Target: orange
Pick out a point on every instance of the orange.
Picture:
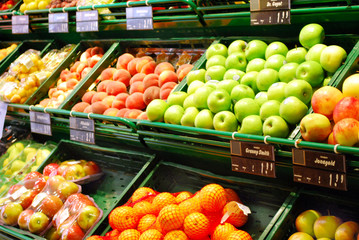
(239, 235)
(163, 199)
(95, 237)
(113, 234)
(170, 218)
(214, 219)
(237, 218)
(190, 205)
(222, 231)
(183, 196)
(213, 197)
(176, 235)
(151, 234)
(231, 195)
(146, 222)
(143, 208)
(196, 226)
(124, 217)
(129, 234)
(141, 192)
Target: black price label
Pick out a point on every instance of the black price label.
(320, 177)
(82, 136)
(259, 5)
(20, 24)
(253, 166)
(82, 124)
(270, 12)
(40, 123)
(59, 22)
(139, 18)
(87, 21)
(3, 111)
(82, 130)
(252, 150)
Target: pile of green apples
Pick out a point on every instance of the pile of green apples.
(254, 88)
(311, 225)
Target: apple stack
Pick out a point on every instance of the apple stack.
(126, 90)
(311, 224)
(70, 78)
(255, 87)
(336, 114)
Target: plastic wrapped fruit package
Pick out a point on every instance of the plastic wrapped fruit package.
(26, 63)
(19, 197)
(77, 217)
(6, 51)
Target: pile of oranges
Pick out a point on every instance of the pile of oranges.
(150, 215)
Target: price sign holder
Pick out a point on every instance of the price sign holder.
(87, 21)
(253, 158)
(319, 168)
(82, 130)
(59, 22)
(270, 12)
(40, 123)
(139, 18)
(3, 111)
(20, 24)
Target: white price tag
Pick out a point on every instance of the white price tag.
(37, 200)
(63, 216)
(18, 193)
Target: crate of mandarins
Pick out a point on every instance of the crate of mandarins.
(193, 204)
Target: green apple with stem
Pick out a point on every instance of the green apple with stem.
(246, 107)
(276, 48)
(269, 108)
(225, 121)
(305, 221)
(189, 116)
(252, 124)
(177, 98)
(310, 71)
(201, 95)
(216, 60)
(196, 75)
(194, 86)
(256, 64)
(300, 89)
(292, 110)
(216, 49)
(275, 62)
(174, 114)
(288, 72)
(311, 34)
(188, 102)
(227, 85)
(233, 74)
(236, 60)
(315, 127)
(332, 58)
(215, 73)
(237, 46)
(314, 52)
(275, 126)
(219, 100)
(266, 78)
(255, 49)
(296, 55)
(250, 79)
(241, 91)
(204, 119)
(156, 109)
(325, 226)
(277, 91)
(261, 98)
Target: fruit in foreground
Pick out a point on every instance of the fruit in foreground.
(305, 221)
(351, 86)
(325, 226)
(300, 236)
(315, 127)
(311, 34)
(347, 231)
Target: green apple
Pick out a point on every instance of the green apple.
(325, 226)
(237, 46)
(194, 86)
(246, 107)
(305, 221)
(219, 100)
(233, 74)
(256, 64)
(227, 85)
(315, 127)
(277, 91)
(17, 165)
(42, 154)
(292, 110)
(250, 79)
(296, 55)
(201, 95)
(275, 126)
(204, 119)
(188, 102)
(241, 91)
(332, 57)
(174, 114)
(300, 236)
(269, 108)
(347, 231)
(314, 52)
(300, 89)
(255, 49)
(216, 60)
(252, 124)
(196, 75)
(275, 62)
(216, 49)
(288, 72)
(177, 98)
(311, 34)
(212, 83)
(225, 121)
(311, 72)
(189, 116)
(261, 98)
(276, 48)
(266, 78)
(215, 73)
(156, 110)
(236, 60)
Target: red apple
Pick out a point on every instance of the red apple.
(315, 127)
(345, 132)
(27, 197)
(74, 171)
(14, 188)
(61, 169)
(88, 217)
(30, 178)
(325, 99)
(347, 231)
(40, 184)
(350, 86)
(347, 107)
(73, 232)
(38, 222)
(67, 188)
(24, 218)
(50, 168)
(10, 213)
(305, 221)
(53, 234)
(55, 181)
(325, 226)
(91, 168)
(50, 205)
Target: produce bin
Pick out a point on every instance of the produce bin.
(8, 44)
(340, 205)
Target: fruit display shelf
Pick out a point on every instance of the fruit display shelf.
(266, 202)
(124, 171)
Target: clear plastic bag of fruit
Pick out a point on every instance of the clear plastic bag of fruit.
(54, 57)
(6, 51)
(77, 217)
(19, 197)
(28, 62)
